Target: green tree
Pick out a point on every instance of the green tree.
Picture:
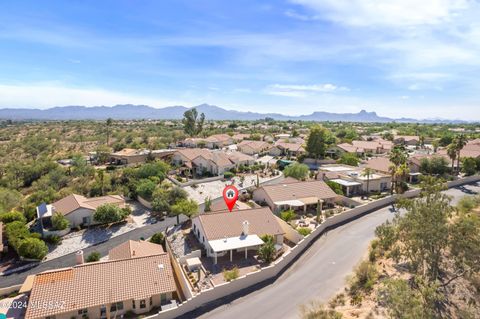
(460, 141)
(33, 248)
(110, 213)
(337, 188)
(266, 251)
(145, 188)
(288, 215)
(12, 216)
(349, 159)
(452, 153)
(59, 222)
(296, 170)
(317, 141)
(401, 301)
(9, 199)
(469, 166)
(16, 231)
(368, 173)
(192, 124)
(94, 256)
(188, 207)
(158, 238)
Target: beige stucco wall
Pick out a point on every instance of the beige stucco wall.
(76, 217)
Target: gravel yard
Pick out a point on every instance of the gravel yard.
(214, 189)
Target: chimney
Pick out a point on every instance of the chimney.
(245, 225)
(79, 257)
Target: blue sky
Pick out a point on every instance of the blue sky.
(398, 57)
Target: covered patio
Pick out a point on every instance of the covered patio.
(300, 204)
(349, 187)
(243, 243)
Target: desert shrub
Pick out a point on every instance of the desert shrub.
(230, 275)
(304, 231)
(53, 239)
(158, 238)
(287, 215)
(94, 256)
(110, 213)
(228, 175)
(32, 248)
(59, 222)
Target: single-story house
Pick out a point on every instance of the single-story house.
(353, 179)
(253, 147)
(223, 232)
(216, 163)
(77, 209)
(406, 140)
(219, 141)
(104, 289)
(295, 195)
(238, 159)
(286, 148)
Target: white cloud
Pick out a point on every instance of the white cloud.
(295, 90)
(386, 13)
(43, 95)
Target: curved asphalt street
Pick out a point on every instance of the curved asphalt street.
(318, 274)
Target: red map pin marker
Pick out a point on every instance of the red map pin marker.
(230, 195)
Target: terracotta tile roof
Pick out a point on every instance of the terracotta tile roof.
(407, 138)
(219, 225)
(72, 202)
(219, 158)
(257, 146)
(219, 138)
(381, 164)
(236, 157)
(191, 153)
(295, 147)
(290, 191)
(349, 148)
(99, 283)
(134, 249)
(367, 145)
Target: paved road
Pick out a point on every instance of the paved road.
(102, 248)
(318, 274)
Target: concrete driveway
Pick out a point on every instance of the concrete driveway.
(317, 275)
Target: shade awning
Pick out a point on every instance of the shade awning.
(293, 202)
(194, 262)
(231, 243)
(345, 182)
(310, 200)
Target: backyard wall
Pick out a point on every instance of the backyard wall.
(184, 284)
(144, 202)
(285, 260)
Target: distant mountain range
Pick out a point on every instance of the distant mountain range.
(212, 112)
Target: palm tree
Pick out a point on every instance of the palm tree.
(460, 141)
(399, 175)
(367, 172)
(108, 123)
(452, 153)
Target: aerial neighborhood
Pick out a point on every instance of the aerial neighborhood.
(139, 223)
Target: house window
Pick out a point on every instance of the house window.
(133, 304)
(116, 306)
(163, 298)
(50, 317)
(151, 300)
(103, 311)
(82, 312)
(143, 304)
